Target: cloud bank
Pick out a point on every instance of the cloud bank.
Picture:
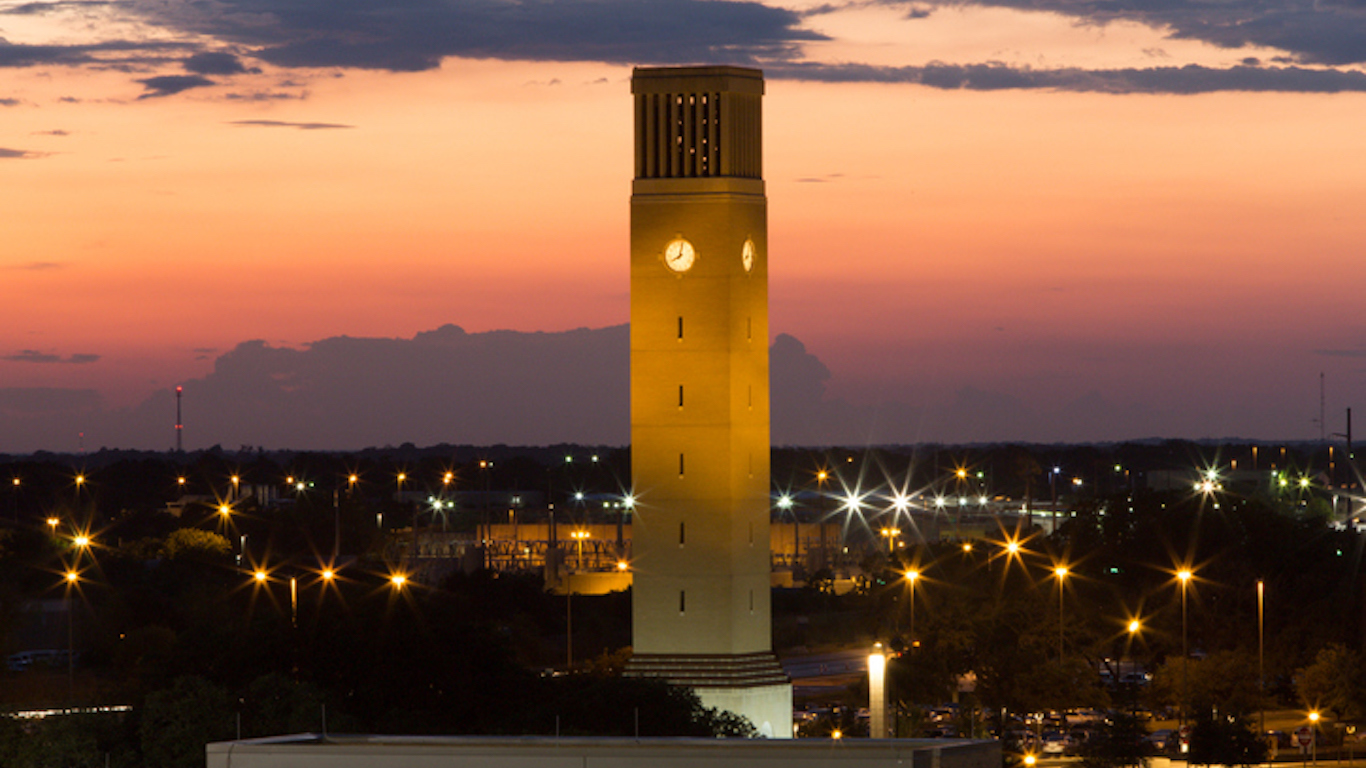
(449, 386)
(1324, 43)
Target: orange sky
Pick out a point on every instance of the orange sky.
(1038, 243)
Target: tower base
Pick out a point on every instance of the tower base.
(752, 685)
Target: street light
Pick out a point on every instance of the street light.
(1261, 656)
(785, 504)
(911, 577)
(578, 537)
(1314, 736)
(73, 579)
(1060, 572)
(891, 534)
(1184, 576)
(877, 693)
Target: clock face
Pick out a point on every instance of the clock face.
(747, 255)
(679, 255)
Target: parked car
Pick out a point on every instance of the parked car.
(1053, 743)
(1162, 739)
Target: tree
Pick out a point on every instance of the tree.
(1225, 741)
(178, 721)
(1118, 743)
(1335, 682)
(1219, 682)
(196, 544)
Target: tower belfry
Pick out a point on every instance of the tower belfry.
(699, 392)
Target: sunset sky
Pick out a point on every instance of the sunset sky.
(1151, 212)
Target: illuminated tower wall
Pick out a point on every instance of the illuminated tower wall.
(699, 392)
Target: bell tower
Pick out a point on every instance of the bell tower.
(699, 392)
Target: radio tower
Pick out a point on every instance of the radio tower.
(179, 427)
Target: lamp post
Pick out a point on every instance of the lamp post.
(877, 693)
(73, 578)
(911, 577)
(412, 550)
(1314, 737)
(891, 534)
(569, 619)
(1261, 651)
(1184, 576)
(578, 537)
(1060, 572)
(785, 504)
(821, 477)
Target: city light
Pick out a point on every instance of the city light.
(901, 502)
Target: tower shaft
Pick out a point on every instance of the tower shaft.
(699, 391)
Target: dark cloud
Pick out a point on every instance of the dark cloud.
(34, 356)
(37, 266)
(411, 35)
(443, 385)
(30, 9)
(129, 52)
(19, 154)
(1328, 32)
(993, 76)
(9, 102)
(286, 124)
(216, 63)
(30, 402)
(1358, 352)
(34, 55)
(264, 96)
(166, 85)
